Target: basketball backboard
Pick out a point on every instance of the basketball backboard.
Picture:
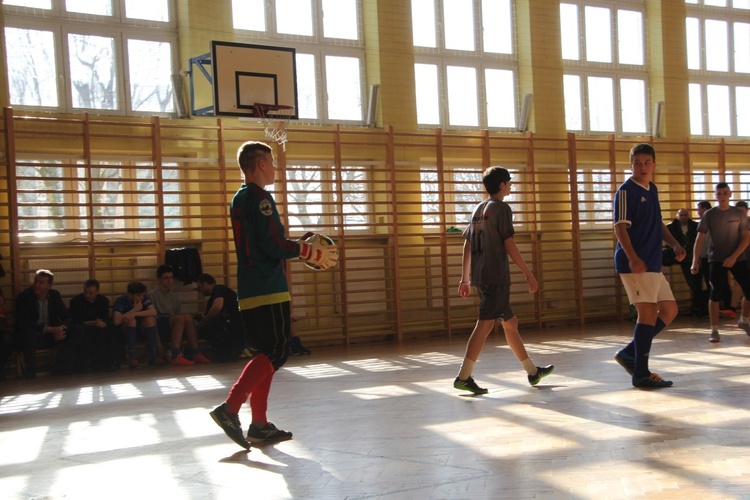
(245, 74)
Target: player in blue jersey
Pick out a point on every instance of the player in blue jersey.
(640, 231)
(263, 292)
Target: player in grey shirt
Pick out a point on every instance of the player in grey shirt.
(730, 235)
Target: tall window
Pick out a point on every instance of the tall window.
(718, 57)
(61, 61)
(327, 36)
(605, 79)
(64, 199)
(466, 66)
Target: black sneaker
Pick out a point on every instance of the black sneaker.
(625, 360)
(541, 372)
(268, 433)
(469, 385)
(653, 380)
(230, 424)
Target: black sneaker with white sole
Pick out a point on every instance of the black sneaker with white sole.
(266, 434)
(469, 385)
(230, 424)
(541, 371)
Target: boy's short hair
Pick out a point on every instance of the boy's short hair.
(493, 177)
(642, 149)
(47, 273)
(704, 204)
(164, 268)
(91, 282)
(250, 152)
(206, 278)
(741, 204)
(135, 287)
(721, 185)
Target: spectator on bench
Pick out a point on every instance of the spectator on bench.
(89, 312)
(221, 324)
(6, 341)
(42, 321)
(171, 319)
(134, 311)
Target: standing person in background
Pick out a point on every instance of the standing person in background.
(730, 236)
(263, 292)
(638, 255)
(685, 230)
(488, 244)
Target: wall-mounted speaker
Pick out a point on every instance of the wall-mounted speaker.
(372, 105)
(655, 126)
(523, 122)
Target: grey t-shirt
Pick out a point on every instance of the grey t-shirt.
(166, 303)
(725, 228)
(491, 224)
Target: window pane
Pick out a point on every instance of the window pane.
(467, 184)
(97, 7)
(501, 102)
(354, 197)
(573, 112)
(630, 37)
(294, 17)
(92, 71)
(601, 104)
(598, 34)
(36, 4)
(150, 76)
(306, 86)
(633, 105)
(462, 96)
(743, 111)
(717, 103)
(715, 3)
(428, 101)
(430, 197)
(107, 196)
(696, 109)
(40, 198)
(344, 88)
(305, 199)
(497, 27)
(459, 24)
(32, 72)
(150, 10)
(692, 27)
(569, 31)
(340, 19)
(742, 47)
(741, 4)
(249, 15)
(717, 50)
(423, 22)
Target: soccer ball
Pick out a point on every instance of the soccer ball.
(325, 241)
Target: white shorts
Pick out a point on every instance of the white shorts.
(648, 288)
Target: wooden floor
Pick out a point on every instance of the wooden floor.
(383, 421)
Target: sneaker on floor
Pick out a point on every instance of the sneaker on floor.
(714, 337)
(200, 358)
(469, 385)
(744, 326)
(541, 372)
(157, 361)
(246, 353)
(625, 360)
(265, 434)
(653, 380)
(180, 360)
(230, 424)
(728, 313)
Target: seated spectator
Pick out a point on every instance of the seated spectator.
(6, 341)
(133, 312)
(42, 321)
(295, 343)
(171, 319)
(221, 324)
(89, 312)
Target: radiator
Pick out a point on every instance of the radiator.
(70, 273)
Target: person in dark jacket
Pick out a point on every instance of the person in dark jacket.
(89, 312)
(685, 230)
(42, 321)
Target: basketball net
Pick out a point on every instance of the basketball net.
(275, 119)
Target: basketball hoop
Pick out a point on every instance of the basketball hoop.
(274, 118)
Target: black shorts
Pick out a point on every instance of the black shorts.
(719, 278)
(494, 302)
(267, 329)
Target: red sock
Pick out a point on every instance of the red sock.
(259, 401)
(256, 371)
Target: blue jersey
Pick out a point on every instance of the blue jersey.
(639, 209)
(262, 248)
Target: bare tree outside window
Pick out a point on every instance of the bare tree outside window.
(92, 68)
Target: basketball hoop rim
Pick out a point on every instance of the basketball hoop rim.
(260, 110)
